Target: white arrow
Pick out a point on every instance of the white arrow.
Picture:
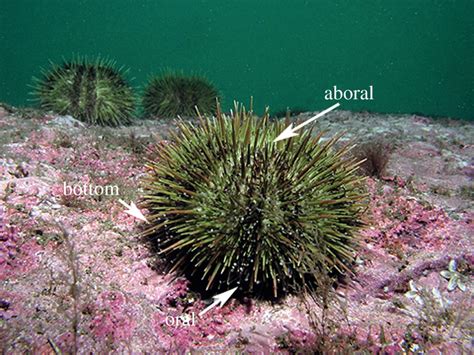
(221, 298)
(291, 132)
(134, 211)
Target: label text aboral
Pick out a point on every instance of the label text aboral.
(349, 94)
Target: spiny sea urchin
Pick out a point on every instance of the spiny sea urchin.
(91, 91)
(173, 94)
(229, 207)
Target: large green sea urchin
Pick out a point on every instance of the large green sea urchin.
(175, 94)
(229, 207)
(91, 91)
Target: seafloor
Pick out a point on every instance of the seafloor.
(76, 276)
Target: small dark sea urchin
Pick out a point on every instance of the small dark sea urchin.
(229, 207)
(91, 91)
(173, 94)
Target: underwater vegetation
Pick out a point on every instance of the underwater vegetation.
(229, 207)
(93, 91)
(288, 112)
(375, 155)
(173, 94)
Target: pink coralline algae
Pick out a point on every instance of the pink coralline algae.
(16, 255)
(111, 319)
(400, 223)
(183, 329)
(8, 247)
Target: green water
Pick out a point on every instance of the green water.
(418, 54)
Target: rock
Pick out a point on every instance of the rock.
(67, 121)
(469, 171)
(4, 305)
(3, 112)
(27, 186)
(35, 212)
(49, 173)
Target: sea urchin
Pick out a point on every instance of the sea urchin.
(91, 91)
(229, 207)
(173, 94)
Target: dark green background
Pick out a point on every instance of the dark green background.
(418, 54)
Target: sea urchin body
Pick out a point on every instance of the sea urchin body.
(173, 94)
(94, 92)
(229, 207)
